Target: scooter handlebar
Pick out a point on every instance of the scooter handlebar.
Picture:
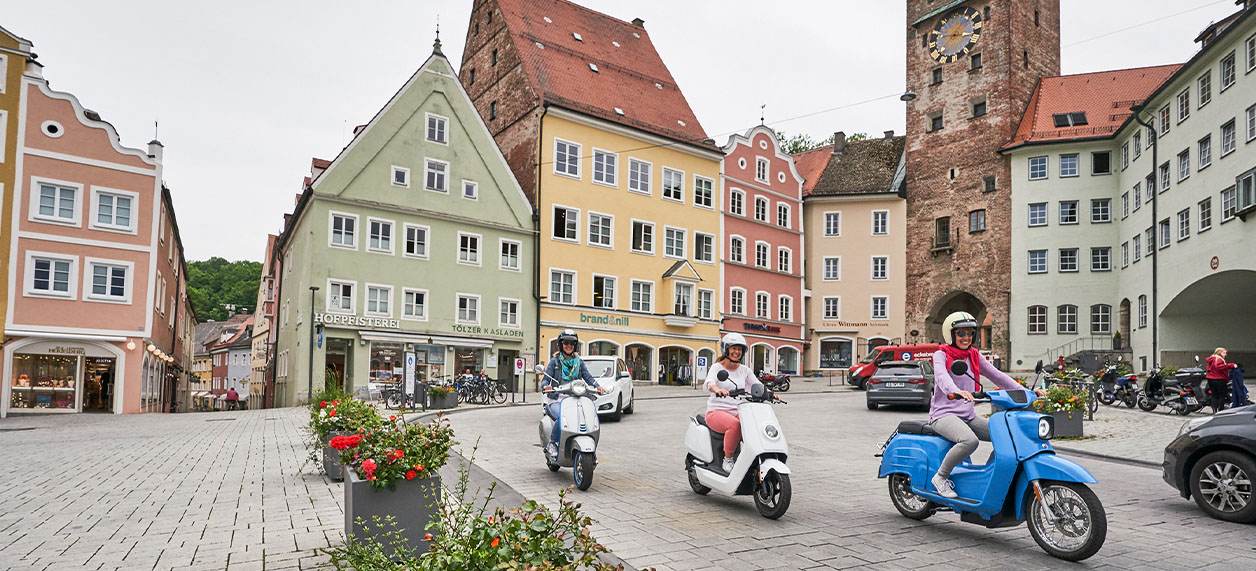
(977, 397)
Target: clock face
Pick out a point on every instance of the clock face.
(955, 35)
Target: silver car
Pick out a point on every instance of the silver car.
(901, 383)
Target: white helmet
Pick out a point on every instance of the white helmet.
(732, 339)
(957, 320)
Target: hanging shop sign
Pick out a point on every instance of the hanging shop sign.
(761, 327)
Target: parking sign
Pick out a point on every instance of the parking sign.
(520, 365)
(410, 371)
(702, 365)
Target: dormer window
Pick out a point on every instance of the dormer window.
(577, 36)
(1073, 119)
(593, 66)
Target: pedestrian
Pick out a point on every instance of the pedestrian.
(233, 399)
(1238, 388)
(1217, 372)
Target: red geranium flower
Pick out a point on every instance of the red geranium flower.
(398, 454)
(392, 418)
(496, 541)
(411, 474)
(369, 466)
(322, 404)
(427, 537)
(332, 413)
(418, 467)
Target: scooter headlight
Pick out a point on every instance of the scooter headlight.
(771, 431)
(1046, 428)
(579, 388)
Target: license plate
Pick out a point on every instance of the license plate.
(1191, 401)
(895, 385)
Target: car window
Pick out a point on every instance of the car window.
(898, 370)
(600, 369)
(873, 355)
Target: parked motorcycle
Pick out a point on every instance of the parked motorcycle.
(1182, 394)
(1154, 390)
(577, 441)
(774, 383)
(1117, 388)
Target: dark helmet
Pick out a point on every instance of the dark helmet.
(568, 336)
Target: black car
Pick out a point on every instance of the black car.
(1213, 459)
(901, 382)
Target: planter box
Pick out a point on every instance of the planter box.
(411, 503)
(1068, 423)
(443, 401)
(331, 457)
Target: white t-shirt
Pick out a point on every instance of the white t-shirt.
(740, 378)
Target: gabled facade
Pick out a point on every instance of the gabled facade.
(418, 240)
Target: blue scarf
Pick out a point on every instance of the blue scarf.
(569, 367)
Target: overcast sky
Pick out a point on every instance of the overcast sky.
(247, 91)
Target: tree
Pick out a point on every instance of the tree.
(803, 142)
(215, 283)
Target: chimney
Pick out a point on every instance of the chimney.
(839, 142)
(889, 134)
(155, 149)
(638, 22)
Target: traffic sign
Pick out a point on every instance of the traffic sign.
(520, 365)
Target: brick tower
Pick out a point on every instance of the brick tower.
(973, 66)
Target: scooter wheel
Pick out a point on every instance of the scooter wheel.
(1069, 522)
(552, 467)
(772, 495)
(1146, 405)
(582, 470)
(783, 387)
(1107, 398)
(907, 502)
(697, 486)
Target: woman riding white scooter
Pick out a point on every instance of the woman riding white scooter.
(957, 420)
(721, 414)
(564, 367)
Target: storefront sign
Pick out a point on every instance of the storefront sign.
(356, 321)
(604, 319)
(854, 324)
(761, 327)
(62, 350)
(488, 331)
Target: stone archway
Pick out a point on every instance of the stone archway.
(1217, 310)
(959, 301)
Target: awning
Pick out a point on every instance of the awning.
(424, 339)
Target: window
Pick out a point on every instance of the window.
(1125, 254)
(1249, 47)
(508, 312)
(414, 304)
(605, 167)
(703, 247)
(1151, 137)
(832, 223)
(990, 183)
(1184, 224)
(761, 167)
(1037, 320)
(642, 296)
(509, 259)
(737, 301)
(639, 176)
(1205, 88)
(600, 229)
(51, 276)
(1165, 233)
(340, 297)
(674, 242)
(470, 190)
(1066, 319)
(782, 215)
(785, 308)
(1068, 259)
(1184, 105)
(1164, 179)
(1125, 205)
(880, 307)
(56, 203)
(942, 232)
(1137, 144)
(436, 175)
(673, 184)
(832, 268)
(1246, 191)
(974, 62)
(976, 221)
(880, 222)
(1125, 155)
(1151, 189)
(1101, 259)
(1037, 168)
(1164, 121)
(1227, 71)
(109, 281)
(492, 110)
(378, 300)
(1142, 311)
(1184, 165)
(737, 202)
(1205, 214)
(979, 108)
(1068, 212)
(703, 195)
(401, 177)
(1205, 152)
(1229, 204)
(468, 309)
(683, 299)
(469, 249)
(416, 241)
(1251, 123)
(566, 158)
(379, 236)
(1068, 165)
(832, 308)
(1227, 138)
(935, 76)
(761, 209)
(566, 223)
(761, 254)
(1150, 238)
(1037, 261)
(1038, 214)
(1101, 163)
(935, 122)
(113, 210)
(436, 129)
(1138, 247)
(1100, 210)
(706, 303)
(642, 237)
(737, 249)
(784, 260)
(343, 230)
(604, 292)
(761, 305)
(880, 267)
(562, 287)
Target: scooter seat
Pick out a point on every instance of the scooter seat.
(701, 420)
(915, 427)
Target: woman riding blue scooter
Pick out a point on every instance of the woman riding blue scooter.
(564, 367)
(957, 420)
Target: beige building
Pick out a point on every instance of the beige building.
(854, 219)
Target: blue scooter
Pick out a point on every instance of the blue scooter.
(1024, 479)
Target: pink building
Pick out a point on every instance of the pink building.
(763, 269)
(97, 269)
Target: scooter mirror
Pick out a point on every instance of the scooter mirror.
(539, 369)
(756, 390)
(1038, 367)
(722, 376)
(959, 368)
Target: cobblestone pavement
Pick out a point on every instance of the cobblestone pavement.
(1131, 434)
(840, 516)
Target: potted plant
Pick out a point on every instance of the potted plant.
(331, 417)
(391, 473)
(1065, 404)
(442, 397)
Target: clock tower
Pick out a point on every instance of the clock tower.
(972, 66)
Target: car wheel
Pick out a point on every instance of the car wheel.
(1221, 483)
(632, 402)
(872, 405)
(618, 415)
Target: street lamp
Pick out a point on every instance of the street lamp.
(309, 385)
(907, 96)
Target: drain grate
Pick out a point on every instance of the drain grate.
(17, 429)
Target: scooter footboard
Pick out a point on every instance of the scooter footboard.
(911, 454)
(1046, 466)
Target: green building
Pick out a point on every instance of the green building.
(419, 239)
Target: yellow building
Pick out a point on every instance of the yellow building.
(14, 53)
(625, 182)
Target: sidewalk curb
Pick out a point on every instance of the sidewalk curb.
(1110, 458)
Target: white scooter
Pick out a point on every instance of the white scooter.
(760, 468)
(577, 441)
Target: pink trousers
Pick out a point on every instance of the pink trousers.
(730, 425)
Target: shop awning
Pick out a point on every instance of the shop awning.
(428, 339)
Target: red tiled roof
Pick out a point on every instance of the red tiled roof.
(630, 76)
(811, 165)
(1105, 97)
(317, 163)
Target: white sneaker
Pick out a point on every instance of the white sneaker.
(551, 449)
(728, 465)
(943, 486)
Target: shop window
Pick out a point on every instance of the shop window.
(44, 382)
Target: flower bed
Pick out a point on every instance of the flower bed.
(1065, 404)
(334, 414)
